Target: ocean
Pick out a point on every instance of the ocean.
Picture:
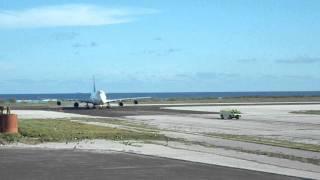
(160, 95)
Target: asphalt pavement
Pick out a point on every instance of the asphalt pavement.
(74, 165)
(128, 111)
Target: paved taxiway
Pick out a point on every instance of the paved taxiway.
(67, 164)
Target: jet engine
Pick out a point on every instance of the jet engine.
(76, 105)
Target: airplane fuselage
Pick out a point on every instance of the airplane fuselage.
(99, 98)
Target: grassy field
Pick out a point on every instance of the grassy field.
(312, 112)
(37, 131)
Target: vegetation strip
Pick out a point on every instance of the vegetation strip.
(258, 152)
(312, 112)
(268, 141)
(136, 125)
(53, 130)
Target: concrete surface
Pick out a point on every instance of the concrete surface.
(271, 121)
(41, 114)
(73, 165)
(189, 152)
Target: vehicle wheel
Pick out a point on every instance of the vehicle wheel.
(229, 117)
(221, 116)
(76, 105)
(237, 117)
(135, 102)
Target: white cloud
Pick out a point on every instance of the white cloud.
(69, 15)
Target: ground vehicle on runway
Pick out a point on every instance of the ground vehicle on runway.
(230, 114)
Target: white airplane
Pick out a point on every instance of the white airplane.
(99, 99)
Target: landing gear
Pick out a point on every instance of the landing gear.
(76, 105)
(120, 104)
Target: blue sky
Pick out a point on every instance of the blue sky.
(156, 46)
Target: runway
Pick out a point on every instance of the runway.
(130, 111)
(73, 165)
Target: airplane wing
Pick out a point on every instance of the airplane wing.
(78, 100)
(59, 101)
(126, 99)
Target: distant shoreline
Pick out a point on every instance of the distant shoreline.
(169, 95)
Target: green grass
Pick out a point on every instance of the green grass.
(36, 131)
(312, 112)
(129, 124)
(268, 141)
(5, 138)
